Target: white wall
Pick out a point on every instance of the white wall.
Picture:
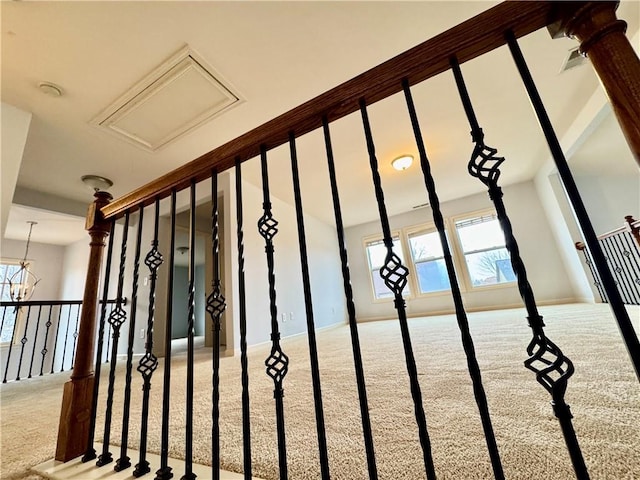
(538, 249)
(608, 198)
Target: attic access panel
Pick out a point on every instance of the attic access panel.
(176, 98)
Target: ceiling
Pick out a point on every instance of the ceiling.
(275, 55)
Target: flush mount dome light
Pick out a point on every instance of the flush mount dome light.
(50, 89)
(403, 162)
(97, 183)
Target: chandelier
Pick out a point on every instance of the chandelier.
(23, 282)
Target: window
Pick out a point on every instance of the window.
(9, 314)
(482, 244)
(428, 260)
(376, 254)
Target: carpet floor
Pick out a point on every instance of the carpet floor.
(604, 395)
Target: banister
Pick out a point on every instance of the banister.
(466, 41)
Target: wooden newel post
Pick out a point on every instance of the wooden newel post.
(76, 401)
(602, 39)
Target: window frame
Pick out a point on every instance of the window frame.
(460, 254)
(425, 228)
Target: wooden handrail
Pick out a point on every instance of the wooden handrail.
(631, 225)
(466, 41)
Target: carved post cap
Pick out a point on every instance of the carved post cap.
(95, 220)
(587, 22)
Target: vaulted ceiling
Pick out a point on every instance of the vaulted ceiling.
(275, 55)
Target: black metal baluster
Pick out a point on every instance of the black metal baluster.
(66, 337)
(75, 337)
(4, 313)
(188, 461)
(55, 344)
(632, 263)
(23, 340)
(148, 363)
(46, 338)
(546, 360)
(215, 307)
(116, 319)
(395, 277)
(124, 461)
(109, 335)
(461, 315)
(246, 418)
(90, 453)
(594, 273)
(311, 328)
(164, 473)
(13, 336)
(591, 239)
(351, 309)
(277, 362)
(616, 270)
(35, 341)
(622, 272)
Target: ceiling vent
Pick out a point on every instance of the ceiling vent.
(174, 99)
(574, 59)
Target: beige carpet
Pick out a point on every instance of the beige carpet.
(604, 396)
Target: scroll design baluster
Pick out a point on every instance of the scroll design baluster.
(616, 304)
(116, 319)
(44, 350)
(215, 306)
(395, 276)
(246, 418)
(552, 368)
(149, 362)
(277, 362)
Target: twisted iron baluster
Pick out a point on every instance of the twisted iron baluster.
(546, 360)
(277, 362)
(164, 473)
(351, 308)
(35, 341)
(23, 341)
(13, 336)
(46, 337)
(66, 337)
(311, 329)
(461, 316)
(395, 275)
(75, 337)
(148, 363)
(55, 343)
(116, 319)
(246, 419)
(591, 239)
(124, 461)
(215, 307)
(188, 461)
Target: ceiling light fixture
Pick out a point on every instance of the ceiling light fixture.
(182, 250)
(50, 89)
(97, 183)
(403, 162)
(23, 282)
